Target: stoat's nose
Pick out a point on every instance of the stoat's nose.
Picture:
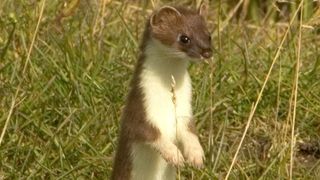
(206, 53)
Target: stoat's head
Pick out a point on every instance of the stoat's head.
(182, 31)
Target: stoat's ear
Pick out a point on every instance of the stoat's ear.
(203, 9)
(166, 14)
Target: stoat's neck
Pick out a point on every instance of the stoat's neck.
(164, 63)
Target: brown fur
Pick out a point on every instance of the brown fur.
(164, 27)
(167, 24)
(134, 127)
(192, 127)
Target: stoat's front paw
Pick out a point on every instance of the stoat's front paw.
(193, 153)
(173, 156)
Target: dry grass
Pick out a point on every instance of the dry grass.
(65, 69)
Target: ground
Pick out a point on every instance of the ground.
(65, 70)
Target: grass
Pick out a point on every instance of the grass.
(63, 83)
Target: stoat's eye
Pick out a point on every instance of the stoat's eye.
(184, 39)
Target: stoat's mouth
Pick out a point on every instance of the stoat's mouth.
(198, 57)
(194, 56)
(202, 58)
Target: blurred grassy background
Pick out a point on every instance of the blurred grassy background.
(65, 68)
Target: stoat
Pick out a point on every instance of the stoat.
(157, 131)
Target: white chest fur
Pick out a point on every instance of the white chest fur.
(156, 83)
(161, 112)
(161, 64)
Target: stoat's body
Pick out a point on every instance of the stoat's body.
(157, 131)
